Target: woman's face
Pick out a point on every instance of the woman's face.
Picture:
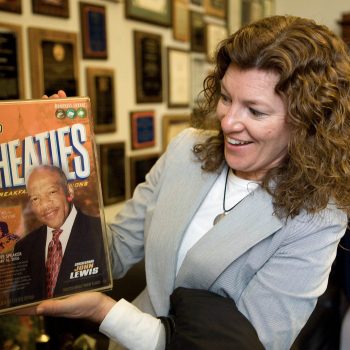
(253, 120)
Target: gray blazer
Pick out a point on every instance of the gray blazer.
(274, 270)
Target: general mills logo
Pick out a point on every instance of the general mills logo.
(1, 128)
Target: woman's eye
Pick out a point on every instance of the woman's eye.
(224, 98)
(256, 113)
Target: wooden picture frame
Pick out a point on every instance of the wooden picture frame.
(253, 10)
(179, 77)
(93, 30)
(197, 31)
(51, 8)
(148, 65)
(142, 129)
(11, 6)
(216, 8)
(154, 12)
(139, 166)
(181, 22)
(112, 163)
(214, 33)
(11, 72)
(172, 124)
(101, 90)
(53, 62)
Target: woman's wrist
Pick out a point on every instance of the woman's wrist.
(102, 309)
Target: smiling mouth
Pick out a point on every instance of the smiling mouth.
(50, 213)
(237, 142)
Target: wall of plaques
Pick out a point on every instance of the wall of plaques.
(142, 63)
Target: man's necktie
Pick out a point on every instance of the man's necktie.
(53, 263)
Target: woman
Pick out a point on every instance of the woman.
(252, 211)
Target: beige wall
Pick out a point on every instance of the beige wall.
(327, 12)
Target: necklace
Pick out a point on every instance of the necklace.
(225, 211)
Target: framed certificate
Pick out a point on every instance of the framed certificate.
(11, 58)
(214, 34)
(148, 65)
(253, 10)
(142, 129)
(101, 90)
(55, 8)
(199, 73)
(217, 8)
(53, 62)
(172, 125)
(93, 29)
(179, 78)
(112, 160)
(181, 28)
(155, 12)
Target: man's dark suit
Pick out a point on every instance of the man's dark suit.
(85, 244)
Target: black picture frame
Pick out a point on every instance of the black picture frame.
(197, 31)
(11, 6)
(11, 70)
(101, 90)
(93, 29)
(140, 165)
(112, 164)
(148, 65)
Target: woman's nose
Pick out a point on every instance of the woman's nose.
(232, 120)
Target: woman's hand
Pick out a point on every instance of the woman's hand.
(93, 306)
(60, 94)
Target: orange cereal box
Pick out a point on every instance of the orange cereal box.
(52, 230)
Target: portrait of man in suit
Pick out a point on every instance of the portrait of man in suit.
(66, 253)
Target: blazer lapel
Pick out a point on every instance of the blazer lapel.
(248, 223)
(182, 198)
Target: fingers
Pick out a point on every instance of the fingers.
(60, 94)
(31, 310)
(58, 308)
(89, 305)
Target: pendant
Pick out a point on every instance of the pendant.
(218, 218)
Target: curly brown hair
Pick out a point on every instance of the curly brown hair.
(314, 69)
